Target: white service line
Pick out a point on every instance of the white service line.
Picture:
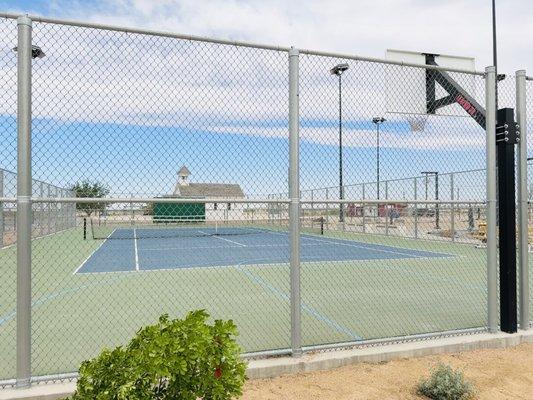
(90, 255)
(343, 242)
(136, 249)
(226, 240)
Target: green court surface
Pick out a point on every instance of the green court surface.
(75, 315)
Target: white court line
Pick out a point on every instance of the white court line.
(252, 246)
(226, 240)
(344, 242)
(136, 249)
(90, 255)
(273, 264)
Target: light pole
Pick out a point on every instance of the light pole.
(378, 121)
(338, 70)
(437, 213)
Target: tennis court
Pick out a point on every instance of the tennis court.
(355, 286)
(154, 248)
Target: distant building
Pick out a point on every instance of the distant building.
(210, 191)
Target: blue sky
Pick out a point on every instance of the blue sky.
(105, 117)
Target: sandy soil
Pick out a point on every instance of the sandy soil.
(496, 374)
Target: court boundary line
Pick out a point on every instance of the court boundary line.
(346, 242)
(76, 271)
(331, 241)
(137, 267)
(306, 308)
(229, 247)
(274, 264)
(226, 240)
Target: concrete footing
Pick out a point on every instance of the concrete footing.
(272, 367)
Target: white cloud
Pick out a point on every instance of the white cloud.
(360, 27)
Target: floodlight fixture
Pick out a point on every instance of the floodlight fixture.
(36, 51)
(339, 69)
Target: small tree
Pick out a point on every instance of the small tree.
(92, 190)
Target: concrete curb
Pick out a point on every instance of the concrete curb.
(268, 368)
(272, 367)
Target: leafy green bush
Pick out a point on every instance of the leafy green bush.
(446, 384)
(173, 359)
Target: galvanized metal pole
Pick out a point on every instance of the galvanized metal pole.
(294, 210)
(341, 187)
(1, 209)
(416, 209)
(452, 211)
(41, 211)
(386, 208)
(327, 209)
(523, 279)
(492, 267)
(363, 210)
(49, 212)
(24, 188)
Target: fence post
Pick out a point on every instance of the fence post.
(48, 210)
(492, 268)
(42, 206)
(1, 209)
(521, 118)
(416, 209)
(294, 209)
(386, 208)
(327, 209)
(24, 188)
(363, 209)
(132, 213)
(452, 211)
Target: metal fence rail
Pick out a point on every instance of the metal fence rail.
(46, 218)
(214, 174)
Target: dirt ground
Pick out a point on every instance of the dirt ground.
(496, 374)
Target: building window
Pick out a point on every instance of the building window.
(215, 206)
(229, 206)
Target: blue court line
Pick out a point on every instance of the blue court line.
(437, 278)
(45, 299)
(309, 310)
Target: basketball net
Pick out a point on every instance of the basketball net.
(417, 123)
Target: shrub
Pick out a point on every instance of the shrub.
(446, 384)
(173, 359)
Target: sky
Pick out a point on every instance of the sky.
(357, 27)
(131, 122)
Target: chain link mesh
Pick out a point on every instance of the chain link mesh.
(400, 287)
(529, 133)
(178, 154)
(8, 155)
(141, 116)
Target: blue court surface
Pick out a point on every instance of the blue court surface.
(127, 250)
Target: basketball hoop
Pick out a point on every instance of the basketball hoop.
(417, 123)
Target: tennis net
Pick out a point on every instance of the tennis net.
(124, 230)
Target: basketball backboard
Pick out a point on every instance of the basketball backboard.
(406, 87)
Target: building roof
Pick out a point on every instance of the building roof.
(184, 171)
(209, 190)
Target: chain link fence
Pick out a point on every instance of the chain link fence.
(47, 218)
(315, 209)
(529, 114)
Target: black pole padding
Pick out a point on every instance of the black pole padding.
(84, 228)
(506, 139)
